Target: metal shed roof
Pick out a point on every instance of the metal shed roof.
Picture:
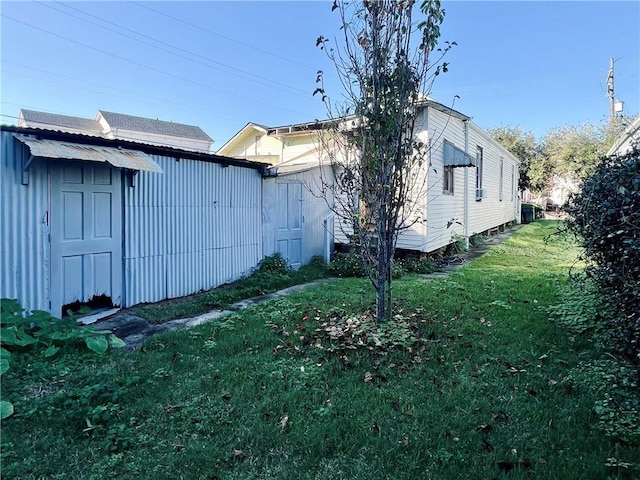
(117, 157)
(146, 148)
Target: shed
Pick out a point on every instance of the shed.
(90, 219)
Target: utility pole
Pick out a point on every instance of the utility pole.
(610, 91)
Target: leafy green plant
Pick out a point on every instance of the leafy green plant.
(349, 264)
(41, 332)
(274, 263)
(422, 265)
(456, 247)
(477, 239)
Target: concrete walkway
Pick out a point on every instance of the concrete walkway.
(134, 330)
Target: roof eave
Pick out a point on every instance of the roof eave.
(144, 147)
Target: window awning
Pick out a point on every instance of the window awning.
(116, 157)
(455, 157)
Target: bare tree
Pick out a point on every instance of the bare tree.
(379, 182)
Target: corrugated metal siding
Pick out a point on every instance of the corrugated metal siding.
(193, 228)
(23, 228)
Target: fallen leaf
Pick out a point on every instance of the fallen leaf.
(368, 377)
(284, 422)
(484, 427)
(238, 455)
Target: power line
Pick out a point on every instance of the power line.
(242, 73)
(211, 32)
(149, 67)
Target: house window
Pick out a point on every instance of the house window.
(513, 182)
(257, 145)
(501, 187)
(479, 169)
(448, 180)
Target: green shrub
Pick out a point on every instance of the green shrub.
(274, 263)
(477, 239)
(350, 264)
(347, 264)
(457, 246)
(605, 216)
(418, 265)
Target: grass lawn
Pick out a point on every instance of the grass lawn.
(468, 382)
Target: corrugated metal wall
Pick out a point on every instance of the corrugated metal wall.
(24, 228)
(192, 228)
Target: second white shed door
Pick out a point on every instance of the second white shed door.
(86, 235)
(289, 222)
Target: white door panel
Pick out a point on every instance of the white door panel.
(289, 222)
(86, 234)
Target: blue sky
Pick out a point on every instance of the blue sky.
(219, 65)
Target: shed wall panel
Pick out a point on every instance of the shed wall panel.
(192, 228)
(24, 229)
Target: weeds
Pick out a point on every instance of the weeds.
(272, 274)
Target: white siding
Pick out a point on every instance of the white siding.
(490, 212)
(192, 228)
(253, 143)
(302, 148)
(445, 212)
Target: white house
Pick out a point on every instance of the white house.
(111, 222)
(470, 180)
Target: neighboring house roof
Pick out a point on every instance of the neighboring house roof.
(248, 127)
(111, 125)
(318, 124)
(33, 118)
(81, 139)
(149, 125)
(628, 139)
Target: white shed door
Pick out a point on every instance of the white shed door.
(289, 222)
(86, 235)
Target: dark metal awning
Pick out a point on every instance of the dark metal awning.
(456, 157)
(114, 156)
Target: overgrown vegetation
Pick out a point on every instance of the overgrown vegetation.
(611, 379)
(467, 380)
(41, 335)
(606, 218)
(272, 274)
